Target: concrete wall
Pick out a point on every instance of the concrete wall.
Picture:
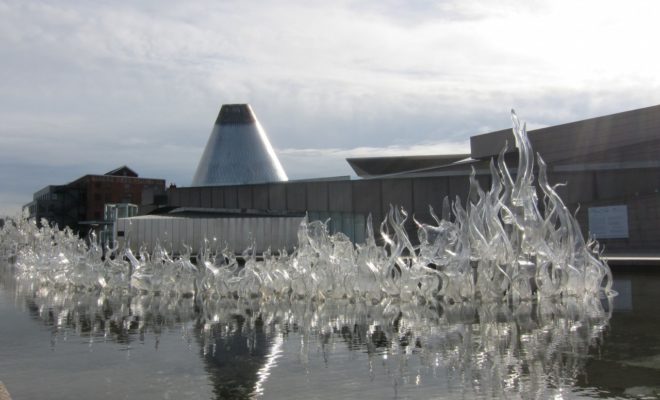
(638, 189)
(349, 202)
(429, 192)
(296, 197)
(317, 196)
(244, 195)
(276, 196)
(643, 223)
(574, 140)
(231, 197)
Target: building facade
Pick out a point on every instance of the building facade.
(610, 165)
(80, 203)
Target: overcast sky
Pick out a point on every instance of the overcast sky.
(87, 86)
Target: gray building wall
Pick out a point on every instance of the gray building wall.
(574, 140)
(605, 161)
(349, 202)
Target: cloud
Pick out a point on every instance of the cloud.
(88, 86)
(328, 162)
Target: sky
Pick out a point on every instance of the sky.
(87, 86)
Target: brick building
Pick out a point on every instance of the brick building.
(80, 204)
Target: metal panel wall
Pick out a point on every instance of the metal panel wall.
(277, 196)
(260, 197)
(244, 196)
(238, 233)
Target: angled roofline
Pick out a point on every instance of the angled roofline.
(433, 162)
(557, 143)
(120, 168)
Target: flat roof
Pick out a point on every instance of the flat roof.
(376, 166)
(586, 142)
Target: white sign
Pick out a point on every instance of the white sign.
(609, 222)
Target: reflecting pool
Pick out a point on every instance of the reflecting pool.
(503, 297)
(61, 344)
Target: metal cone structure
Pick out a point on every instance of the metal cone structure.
(238, 151)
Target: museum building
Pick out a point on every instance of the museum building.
(610, 166)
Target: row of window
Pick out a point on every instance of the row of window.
(47, 196)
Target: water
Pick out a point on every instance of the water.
(63, 345)
(501, 298)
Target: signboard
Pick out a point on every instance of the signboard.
(609, 222)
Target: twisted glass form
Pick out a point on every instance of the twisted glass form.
(498, 247)
(532, 349)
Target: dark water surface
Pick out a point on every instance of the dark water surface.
(58, 344)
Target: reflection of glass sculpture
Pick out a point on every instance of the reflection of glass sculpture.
(491, 350)
(500, 246)
(502, 297)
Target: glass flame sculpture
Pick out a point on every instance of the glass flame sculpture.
(499, 246)
(501, 298)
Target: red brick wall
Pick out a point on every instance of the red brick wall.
(113, 189)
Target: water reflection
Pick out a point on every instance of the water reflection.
(534, 350)
(234, 353)
(628, 362)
